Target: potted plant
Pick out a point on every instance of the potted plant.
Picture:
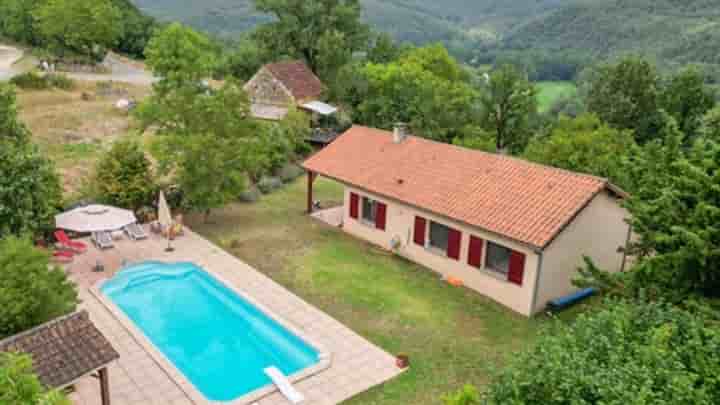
(402, 360)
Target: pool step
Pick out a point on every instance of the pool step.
(283, 384)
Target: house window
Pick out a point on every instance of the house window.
(369, 210)
(498, 258)
(439, 236)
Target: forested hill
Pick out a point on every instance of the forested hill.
(674, 32)
(417, 21)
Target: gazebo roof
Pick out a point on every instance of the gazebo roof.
(63, 350)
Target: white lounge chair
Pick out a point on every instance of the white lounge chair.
(103, 240)
(135, 232)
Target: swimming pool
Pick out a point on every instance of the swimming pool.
(218, 340)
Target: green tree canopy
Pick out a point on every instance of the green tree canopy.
(624, 353)
(314, 30)
(124, 176)
(18, 384)
(509, 102)
(88, 27)
(584, 144)
(686, 98)
(424, 88)
(10, 125)
(710, 125)
(31, 291)
(625, 95)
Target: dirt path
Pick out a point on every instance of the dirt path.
(8, 56)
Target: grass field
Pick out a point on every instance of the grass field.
(452, 335)
(550, 92)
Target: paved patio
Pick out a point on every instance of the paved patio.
(138, 378)
(331, 216)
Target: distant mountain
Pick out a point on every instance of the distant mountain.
(673, 32)
(417, 21)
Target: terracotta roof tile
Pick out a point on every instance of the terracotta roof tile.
(523, 201)
(298, 78)
(63, 350)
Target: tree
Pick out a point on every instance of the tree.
(710, 125)
(686, 98)
(584, 144)
(18, 384)
(625, 95)
(304, 28)
(10, 125)
(425, 88)
(509, 101)
(16, 20)
(31, 291)
(123, 176)
(624, 353)
(180, 56)
(88, 27)
(30, 191)
(244, 60)
(383, 48)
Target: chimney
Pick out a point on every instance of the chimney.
(400, 132)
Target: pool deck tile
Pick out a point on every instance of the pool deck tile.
(137, 378)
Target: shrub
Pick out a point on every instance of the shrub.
(123, 176)
(625, 353)
(31, 291)
(290, 172)
(251, 195)
(269, 184)
(30, 81)
(468, 395)
(18, 384)
(60, 81)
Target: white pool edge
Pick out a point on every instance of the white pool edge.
(190, 390)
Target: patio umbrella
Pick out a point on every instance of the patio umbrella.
(165, 218)
(94, 218)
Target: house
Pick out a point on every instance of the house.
(509, 229)
(277, 87)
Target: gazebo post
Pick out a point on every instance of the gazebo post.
(104, 386)
(311, 179)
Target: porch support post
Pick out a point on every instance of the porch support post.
(311, 176)
(104, 386)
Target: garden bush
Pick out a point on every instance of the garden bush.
(60, 81)
(269, 184)
(289, 172)
(31, 291)
(624, 353)
(19, 385)
(123, 176)
(30, 81)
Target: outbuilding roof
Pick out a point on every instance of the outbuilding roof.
(297, 77)
(63, 350)
(514, 198)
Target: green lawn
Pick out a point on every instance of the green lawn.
(452, 335)
(551, 92)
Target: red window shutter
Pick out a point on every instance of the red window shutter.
(354, 205)
(420, 226)
(380, 216)
(475, 252)
(454, 238)
(517, 268)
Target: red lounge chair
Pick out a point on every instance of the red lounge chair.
(65, 241)
(62, 257)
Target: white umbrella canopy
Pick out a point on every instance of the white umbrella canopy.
(94, 218)
(164, 216)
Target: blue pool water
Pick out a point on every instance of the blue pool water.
(218, 340)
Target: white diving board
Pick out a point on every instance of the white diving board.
(283, 384)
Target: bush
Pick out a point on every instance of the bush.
(60, 81)
(31, 291)
(251, 195)
(625, 353)
(469, 395)
(30, 81)
(269, 184)
(289, 172)
(123, 176)
(18, 384)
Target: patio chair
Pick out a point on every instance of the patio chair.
(69, 244)
(135, 232)
(103, 240)
(62, 257)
